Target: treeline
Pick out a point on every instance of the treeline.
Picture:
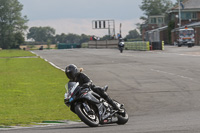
(47, 35)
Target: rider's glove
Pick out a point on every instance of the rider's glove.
(85, 86)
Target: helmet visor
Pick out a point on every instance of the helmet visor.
(70, 75)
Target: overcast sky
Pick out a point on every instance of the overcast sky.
(75, 16)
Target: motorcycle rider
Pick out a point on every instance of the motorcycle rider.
(121, 42)
(74, 75)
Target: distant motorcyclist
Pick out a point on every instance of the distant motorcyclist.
(121, 44)
(76, 75)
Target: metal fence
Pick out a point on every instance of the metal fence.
(103, 44)
(67, 46)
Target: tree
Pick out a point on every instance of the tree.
(106, 37)
(41, 34)
(72, 38)
(171, 26)
(12, 24)
(155, 7)
(84, 38)
(61, 38)
(19, 39)
(133, 34)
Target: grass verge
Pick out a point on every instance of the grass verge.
(31, 90)
(14, 53)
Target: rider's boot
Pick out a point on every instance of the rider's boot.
(115, 107)
(103, 94)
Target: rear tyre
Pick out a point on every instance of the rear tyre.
(90, 120)
(122, 118)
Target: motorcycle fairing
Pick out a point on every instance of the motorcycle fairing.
(89, 96)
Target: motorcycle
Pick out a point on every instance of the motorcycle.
(121, 45)
(91, 108)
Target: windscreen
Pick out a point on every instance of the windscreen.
(186, 33)
(70, 85)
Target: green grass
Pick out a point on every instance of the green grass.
(31, 90)
(15, 53)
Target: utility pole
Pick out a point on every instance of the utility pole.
(120, 28)
(179, 13)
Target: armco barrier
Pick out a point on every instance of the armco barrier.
(103, 44)
(138, 45)
(163, 45)
(67, 46)
(84, 45)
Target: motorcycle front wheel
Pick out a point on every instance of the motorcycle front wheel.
(121, 50)
(91, 120)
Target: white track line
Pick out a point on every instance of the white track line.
(159, 71)
(49, 62)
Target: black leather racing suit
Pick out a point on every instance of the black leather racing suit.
(83, 80)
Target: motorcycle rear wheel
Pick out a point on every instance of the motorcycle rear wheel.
(90, 120)
(122, 118)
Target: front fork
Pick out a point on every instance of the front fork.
(87, 107)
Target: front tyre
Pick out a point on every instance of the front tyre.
(121, 49)
(90, 120)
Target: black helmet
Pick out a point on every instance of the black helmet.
(71, 71)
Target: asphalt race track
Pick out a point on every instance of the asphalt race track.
(160, 89)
